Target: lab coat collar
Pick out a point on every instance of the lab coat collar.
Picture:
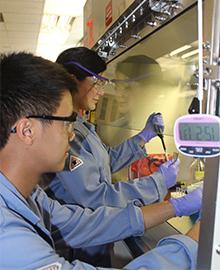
(15, 201)
(85, 122)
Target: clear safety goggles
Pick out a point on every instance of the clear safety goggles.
(98, 80)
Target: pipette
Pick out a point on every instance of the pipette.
(159, 132)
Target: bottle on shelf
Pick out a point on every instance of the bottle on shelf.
(197, 170)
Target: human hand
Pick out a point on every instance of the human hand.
(169, 170)
(188, 204)
(149, 132)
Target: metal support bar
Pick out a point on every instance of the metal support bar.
(207, 231)
(200, 47)
(214, 54)
(209, 242)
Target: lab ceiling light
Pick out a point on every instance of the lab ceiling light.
(64, 7)
(52, 21)
(179, 50)
(61, 27)
(49, 21)
(189, 54)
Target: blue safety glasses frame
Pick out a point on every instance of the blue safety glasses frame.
(100, 80)
(68, 120)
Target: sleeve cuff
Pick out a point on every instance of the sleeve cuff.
(136, 218)
(134, 144)
(160, 184)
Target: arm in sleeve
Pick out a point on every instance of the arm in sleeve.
(90, 184)
(80, 227)
(125, 153)
(32, 252)
(174, 252)
(89, 187)
(23, 249)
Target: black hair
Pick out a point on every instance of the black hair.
(85, 57)
(29, 85)
(139, 67)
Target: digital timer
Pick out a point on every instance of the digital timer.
(198, 135)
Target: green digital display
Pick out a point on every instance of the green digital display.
(199, 131)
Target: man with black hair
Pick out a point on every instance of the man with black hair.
(36, 127)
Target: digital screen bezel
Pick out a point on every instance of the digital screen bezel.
(196, 118)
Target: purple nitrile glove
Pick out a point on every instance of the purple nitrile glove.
(188, 204)
(149, 132)
(169, 170)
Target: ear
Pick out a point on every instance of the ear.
(25, 130)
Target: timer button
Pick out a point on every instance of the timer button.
(184, 149)
(208, 152)
(199, 149)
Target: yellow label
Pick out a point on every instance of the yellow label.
(199, 175)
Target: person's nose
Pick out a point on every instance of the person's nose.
(100, 91)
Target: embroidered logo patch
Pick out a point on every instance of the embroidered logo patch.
(74, 162)
(53, 266)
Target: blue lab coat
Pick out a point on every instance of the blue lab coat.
(92, 178)
(30, 228)
(90, 183)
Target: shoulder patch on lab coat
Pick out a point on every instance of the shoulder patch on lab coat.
(53, 266)
(74, 162)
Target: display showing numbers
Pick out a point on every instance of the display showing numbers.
(199, 131)
(198, 135)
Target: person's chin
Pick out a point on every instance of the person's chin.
(61, 166)
(62, 163)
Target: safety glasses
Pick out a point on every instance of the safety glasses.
(67, 120)
(98, 79)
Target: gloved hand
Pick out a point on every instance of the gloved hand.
(188, 204)
(169, 170)
(149, 130)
